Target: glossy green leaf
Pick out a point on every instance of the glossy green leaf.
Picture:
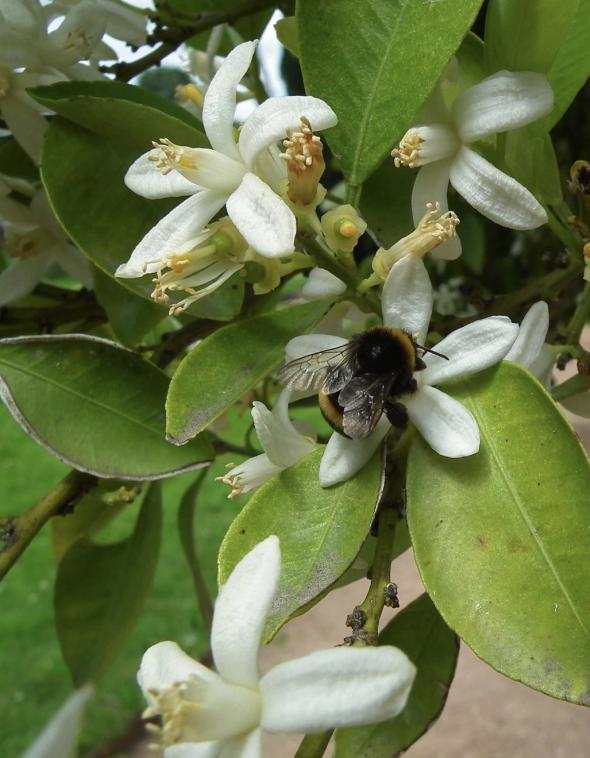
(320, 530)
(502, 538)
(432, 647)
(84, 174)
(530, 158)
(571, 67)
(526, 35)
(100, 591)
(15, 162)
(288, 34)
(386, 203)
(130, 316)
(225, 365)
(126, 114)
(375, 63)
(94, 405)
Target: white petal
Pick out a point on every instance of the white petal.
(307, 344)
(248, 746)
(270, 122)
(251, 474)
(214, 170)
(279, 439)
(431, 186)
(470, 349)
(241, 609)
(144, 179)
(407, 297)
(26, 124)
(344, 457)
(262, 218)
(74, 263)
(321, 283)
(494, 194)
(341, 687)
(531, 335)
(175, 233)
(542, 366)
(504, 101)
(125, 23)
(60, 736)
(444, 423)
(22, 277)
(437, 142)
(165, 664)
(194, 750)
(220, 100)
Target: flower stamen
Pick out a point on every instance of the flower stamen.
(172, 157)
(305, 163)
(408, 152)
(434, 228)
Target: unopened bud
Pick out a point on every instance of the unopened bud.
(189, 93)
(434, 228)
(342, 228)
(305, 164)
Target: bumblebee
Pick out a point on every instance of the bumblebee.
(359, 381)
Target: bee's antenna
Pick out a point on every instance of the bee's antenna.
(428, 350)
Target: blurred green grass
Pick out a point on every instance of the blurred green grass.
(34, 680)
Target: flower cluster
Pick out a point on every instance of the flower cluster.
(40, 44)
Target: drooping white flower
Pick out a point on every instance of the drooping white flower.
(60, 736)
(223, 713)
(444, 423)
(504, 101)
(529, 350)
(244, 176)
(283, 446)
(35, 241)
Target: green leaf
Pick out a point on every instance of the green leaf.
(571, 67)
(530, 158)
(320, 530)
(15, 162)
(375, 63)
(502, 538)
(100, 591)
(84, 175)
(526, 35)
(126, 114)
(386, 203)
(225, 365)
(94, 405)
(288, 34)
(432, 647)
(130, 316)
(93, 512)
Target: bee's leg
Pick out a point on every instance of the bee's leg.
(420, 365)
(397, 414)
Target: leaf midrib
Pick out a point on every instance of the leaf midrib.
(372, 95)
(91, 401)
(525, 517)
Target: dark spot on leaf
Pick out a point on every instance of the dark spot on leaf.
(242, 531)
(482, 541)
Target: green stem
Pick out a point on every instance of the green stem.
(573, 386)
(17, 532)
(353, 194)
(314, 745)
(580, 317)
(324, 257)
(371, 608)
(559, 226)
(171, 39)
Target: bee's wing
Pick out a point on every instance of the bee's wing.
(362, 401)
(320, 371)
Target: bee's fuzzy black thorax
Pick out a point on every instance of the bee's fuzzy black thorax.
(383, 350)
